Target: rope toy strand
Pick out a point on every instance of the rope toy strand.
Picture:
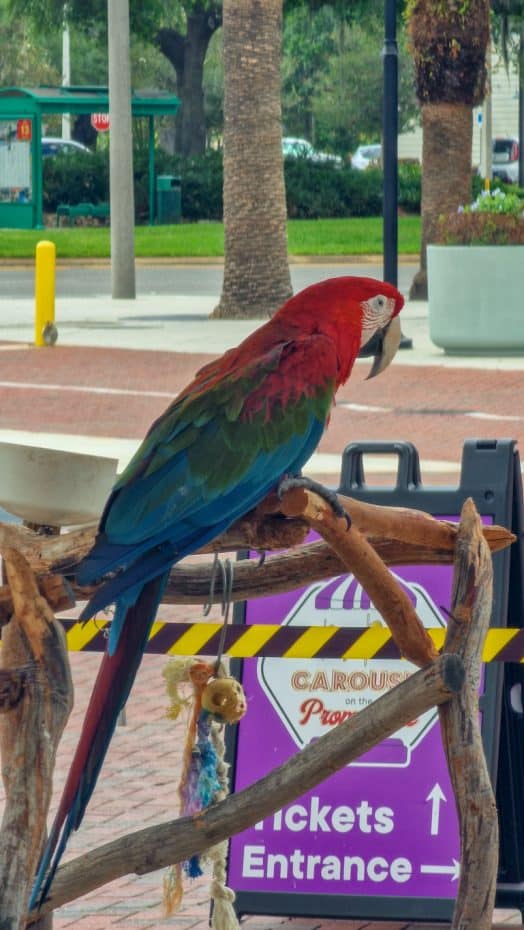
(216, 700)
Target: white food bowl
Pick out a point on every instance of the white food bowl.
(52, 487)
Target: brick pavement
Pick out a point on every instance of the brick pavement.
(435, 408)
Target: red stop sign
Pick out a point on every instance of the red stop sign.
(100, 121)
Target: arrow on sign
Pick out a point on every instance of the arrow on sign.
(436, 796)
(452, 870)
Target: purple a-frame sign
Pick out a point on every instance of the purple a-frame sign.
(384, 825)
(379, 838)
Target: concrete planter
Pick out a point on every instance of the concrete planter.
(476, 298)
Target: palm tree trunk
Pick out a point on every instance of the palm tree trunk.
(256, 270)
(446, 179)
(448, 43)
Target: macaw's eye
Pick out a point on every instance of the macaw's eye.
(381, 308)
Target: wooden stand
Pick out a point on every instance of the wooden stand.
(38, 691)
(37, 694)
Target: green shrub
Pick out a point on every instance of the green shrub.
(202, 181)
(201, 178)
(80, 178)
(313, 191)
(409, 184)
(75, 178)
(495, 217)
(480, 229)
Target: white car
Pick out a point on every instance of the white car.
(301, 148)
(367, 155)
(55, 146)
(505, 160)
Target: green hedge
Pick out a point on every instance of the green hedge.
(75, 179)
(312, 191)
(78, 178)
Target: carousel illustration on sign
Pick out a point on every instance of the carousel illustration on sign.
(313, 695)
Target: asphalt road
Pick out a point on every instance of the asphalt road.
(80, 281)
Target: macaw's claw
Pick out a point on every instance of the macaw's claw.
(309, 484)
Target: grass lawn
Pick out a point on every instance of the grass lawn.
(352, 236)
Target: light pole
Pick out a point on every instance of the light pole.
(389, 142)
(521, 106)
(390, 149)
(121, 153)
(66, 74)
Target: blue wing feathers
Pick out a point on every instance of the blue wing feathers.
(148, 559)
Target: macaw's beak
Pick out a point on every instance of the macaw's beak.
(383, 345)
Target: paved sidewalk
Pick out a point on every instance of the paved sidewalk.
(120, 393)
(115, 367)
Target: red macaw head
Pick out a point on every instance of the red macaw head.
(380, 323)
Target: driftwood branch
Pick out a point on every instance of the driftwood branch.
(398, 535)
(175, 841)
(467, 626)
(35, 657)
(34, 644)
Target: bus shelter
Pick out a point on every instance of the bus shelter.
(22, 113)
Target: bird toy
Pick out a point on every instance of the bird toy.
(216, 700)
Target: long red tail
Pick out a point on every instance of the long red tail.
(110, 692)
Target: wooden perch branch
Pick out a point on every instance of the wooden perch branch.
(34, 656)
(361, 559)
(38, 694)
(175, 841)
(398, 535)
(467, 626)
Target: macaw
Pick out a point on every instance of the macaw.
(247, 420)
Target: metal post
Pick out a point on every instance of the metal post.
(152, 205)
(45, 263)
(37, 190)
(521, 106)
(486, 156)
(66, 77)
(121, 153)
(389, 144)
(390, 150)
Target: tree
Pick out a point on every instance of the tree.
(187, 51)
(308, 44)
(180, 30)
(449, 43)
(214, 91)
(256, 271)
(23, 52)
(348, 99)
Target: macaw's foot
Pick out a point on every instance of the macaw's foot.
(287, 484)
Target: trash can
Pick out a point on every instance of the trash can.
(168, 199)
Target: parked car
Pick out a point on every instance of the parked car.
(366, 155)
(505, 160)
(301, 148)
(57, 146)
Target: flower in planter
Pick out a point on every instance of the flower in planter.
(495, 218)
(496, 201)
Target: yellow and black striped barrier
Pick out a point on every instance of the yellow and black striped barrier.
(283, 642)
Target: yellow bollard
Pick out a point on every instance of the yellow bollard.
(45, 329)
